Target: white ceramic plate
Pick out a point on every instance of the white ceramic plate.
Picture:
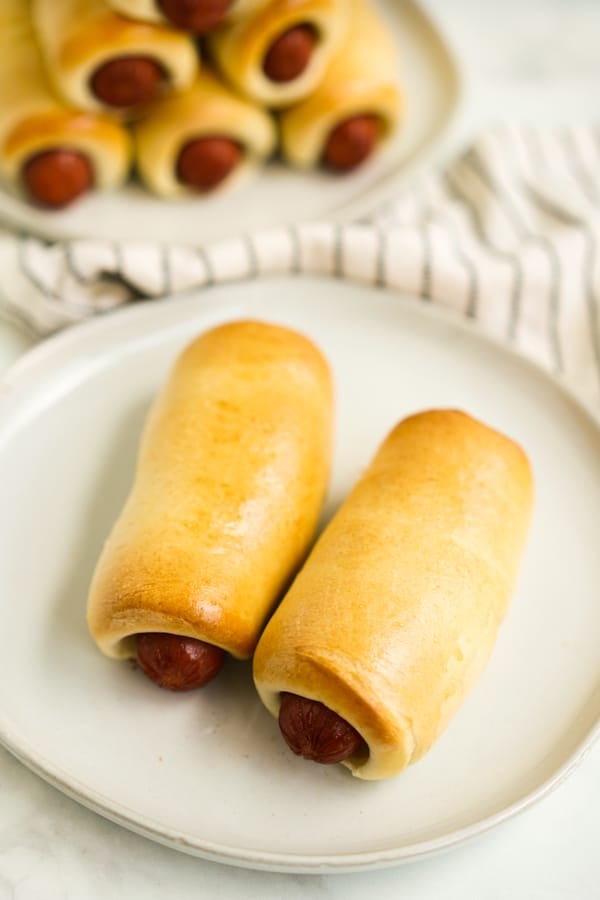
(207, 772)
(279, 195)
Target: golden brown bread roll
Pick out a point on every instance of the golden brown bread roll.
(207, 110)
(241, 49)
(100, 61)
(231, 475)
(33, 121)
(361, 80)
(153, 10)
(395, 613)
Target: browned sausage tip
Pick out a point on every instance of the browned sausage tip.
(177, 663)
(351, 143)
(198, 16)
(127, 81)
(205, 162)
(288, 56)
(55, 178)
(315, 732)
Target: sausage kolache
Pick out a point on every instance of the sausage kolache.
(278, 55)
(395, 613)
(203, 139)
(356, 107)
(231, 475)
(100, 61)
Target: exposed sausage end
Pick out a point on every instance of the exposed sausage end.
(315, 732)
(206, 162)
(56, 178)
(178, 663)
(289, 55)
(199, 16)
(127, 82)
(351, 143)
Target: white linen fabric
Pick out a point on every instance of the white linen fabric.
(507, 235)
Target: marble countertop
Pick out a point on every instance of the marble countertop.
(528, 60)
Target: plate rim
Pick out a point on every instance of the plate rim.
(52, 349)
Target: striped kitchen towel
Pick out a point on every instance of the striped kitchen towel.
(507, 235)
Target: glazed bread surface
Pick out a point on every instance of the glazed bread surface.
(395, 613)
(240, 49)
(78, 36)
(231, 476)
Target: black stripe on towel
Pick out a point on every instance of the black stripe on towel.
(17, 316)
(338, 251)
(119, 275)
(71, 263)
(471, 271)
(426, 271)
(466, 263)
(165, 263)
(119, 260)
(28, 273)
(253, 267)
(513, 215)
(296, 249)
(573, 154)
(590, 190)
(208, 267)
(380, 258)
(457, 189)
(31, 276)
(591, 257)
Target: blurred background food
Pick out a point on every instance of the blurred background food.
(189, 96)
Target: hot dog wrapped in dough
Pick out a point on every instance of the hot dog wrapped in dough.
(395, 613)
(55, 153)
(356, 106)
(204, 138)
(100, 61)
(279, 55)
(198, 16)
(231, 475)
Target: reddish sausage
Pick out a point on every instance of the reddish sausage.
(351, 143)
(177, 663)
(127, 81)
(56, 178)
(205, 162)
(289, 55)
(198, 16)
(315, 732)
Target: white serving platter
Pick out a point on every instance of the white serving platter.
(279, 195)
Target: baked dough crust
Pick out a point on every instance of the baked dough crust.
(362, 78)
(33, 120)
(239, 49)
(394, 615)
(208, 108)
(231, 475)
(78, 36)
